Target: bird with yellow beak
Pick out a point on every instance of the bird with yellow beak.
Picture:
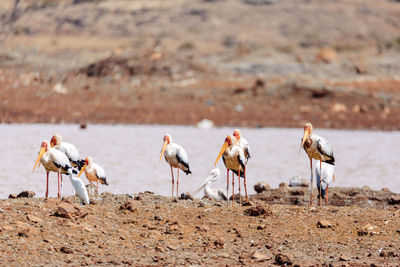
(234, 160)
(176, 157)
(316, 147)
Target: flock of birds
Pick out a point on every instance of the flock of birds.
(63, 158)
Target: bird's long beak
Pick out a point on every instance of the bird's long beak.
(223, 148)
(82, 170)
(42, 150)
(305, 136)
(163, 149)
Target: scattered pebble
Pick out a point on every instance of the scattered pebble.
(324, 224)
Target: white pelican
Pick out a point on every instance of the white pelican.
(68, 149)
(316, 147)
(79, 188)
(241, 141)
(325, 179)
(213, 193)
(234, 160)
(94, 172)
(55, 161)
(176, 157)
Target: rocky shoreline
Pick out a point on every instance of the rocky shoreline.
(147, 229)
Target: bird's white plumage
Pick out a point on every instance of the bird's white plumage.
(213, 193)
(326, 177)
(234, 157)
(318, 147)
(79, 188)
(94, 171)
(55, 161)
(67, 148)
(176, 156)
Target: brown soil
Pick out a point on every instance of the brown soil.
(179, 62)
(155, 230)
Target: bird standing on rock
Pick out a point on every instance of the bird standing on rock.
(94, 172)
(316, 147)
(55, 161)
(176, 157)
(234, 160)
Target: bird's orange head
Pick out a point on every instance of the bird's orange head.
(236, 134)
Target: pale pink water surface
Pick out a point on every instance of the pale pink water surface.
(130, 156)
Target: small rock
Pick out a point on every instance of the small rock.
(66, 250)
(324, 224)
(394, 200)
(366, 188)
(261, 187)
(282, 259)
(344, 258)
(338, 107)
(247, 204)
(204, 228)
(186, 196)
(12, 196)
(26, 194)
(7, 228)
(326, 55)
(297, 181)
(34, 219)
(59, 88)
(260, 256)
(157, 218)
(284, 186)
(367, 230)
(258, 210)
(128, 206)
(68, 210)
(224, 255)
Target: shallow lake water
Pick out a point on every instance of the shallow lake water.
(130, 156)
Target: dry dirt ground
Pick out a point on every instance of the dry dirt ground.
(145, 229)
(249, 63)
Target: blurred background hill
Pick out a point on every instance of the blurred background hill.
(249, 63)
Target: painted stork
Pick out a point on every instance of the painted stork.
(68, 149)
(94, 172)
(234, 160)
(325, 179)
(241, 141)
(316, 147)
(213, 193)
(176, 157)
(55, 161)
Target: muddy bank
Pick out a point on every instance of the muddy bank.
(131, 62)
(156, 230)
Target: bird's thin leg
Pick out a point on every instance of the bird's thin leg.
(172, 173)
(245, 186)
(47, 186)
(177, 183)
(97, 190)
(326, 196)
(233, 188)
(58, 179)
(320, 181)
(62, 184)
(227, 186)
(311, 184)
(240, 194)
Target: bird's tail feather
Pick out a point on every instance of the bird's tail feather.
(103, 180)
(187, 171)
(236, 172)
